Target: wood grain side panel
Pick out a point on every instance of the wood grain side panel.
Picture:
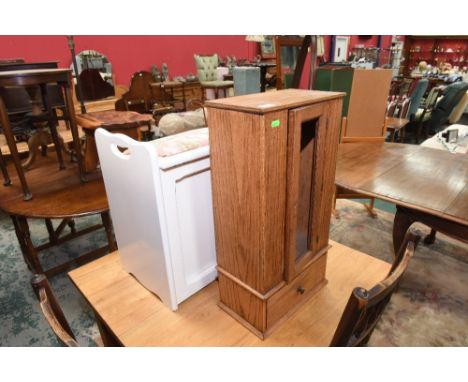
(237, 154)
(326, 150)
(243, 303)
(275, 199)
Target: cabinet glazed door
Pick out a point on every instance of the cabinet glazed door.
(310, 185)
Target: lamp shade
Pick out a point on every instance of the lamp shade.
(256, 38)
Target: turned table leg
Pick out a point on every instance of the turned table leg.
(430, 239)
(401, 225)
(106, 220)
(27, 248)
(405, 217)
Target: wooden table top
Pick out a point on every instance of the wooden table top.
(261, 103)
(425, 179)
(138, 318)
(56, 193)
(33, 76)
(112, 120)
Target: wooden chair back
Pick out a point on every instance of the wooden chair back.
(391, 107)
(138, 97)
(404, 108)
(365, 307)
(365, 121)
(52, 311)
(431, 98)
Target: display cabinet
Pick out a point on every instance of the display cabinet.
(435, 50)
(273, 159)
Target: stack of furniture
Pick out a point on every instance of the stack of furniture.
(273, 162)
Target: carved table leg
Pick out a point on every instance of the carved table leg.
(401, 225)
(51, 231)
(71, 224)
(108, 227)
(27, 247)
(406, 216)
(52, 125)
(21, 241)
(370, 208)
(430, 239)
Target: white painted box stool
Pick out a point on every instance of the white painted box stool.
(161, 207)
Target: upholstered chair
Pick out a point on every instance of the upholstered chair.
(416, 97)
(206, 71)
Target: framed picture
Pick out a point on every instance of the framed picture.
(267, 47)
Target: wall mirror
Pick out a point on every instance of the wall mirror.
(95, 75)
(287, 52)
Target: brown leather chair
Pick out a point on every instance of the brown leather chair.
(365, 307)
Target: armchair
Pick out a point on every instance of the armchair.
(206, 71)
(453, 94)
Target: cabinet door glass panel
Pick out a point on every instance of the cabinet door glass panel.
(306, 165)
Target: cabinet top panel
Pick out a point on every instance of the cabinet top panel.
(261, 103)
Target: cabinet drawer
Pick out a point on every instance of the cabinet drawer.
(298, 291)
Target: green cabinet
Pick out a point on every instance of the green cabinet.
(337, 79)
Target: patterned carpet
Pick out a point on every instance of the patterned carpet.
(430, 308)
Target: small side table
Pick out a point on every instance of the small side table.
(124, 122)
(58, 195)
(32, 80)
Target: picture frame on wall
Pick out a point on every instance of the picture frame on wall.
(267, 47)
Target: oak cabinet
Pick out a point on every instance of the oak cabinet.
(273, 159)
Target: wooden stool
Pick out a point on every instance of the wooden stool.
(125, 122)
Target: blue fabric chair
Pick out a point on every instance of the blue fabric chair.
(416, 98)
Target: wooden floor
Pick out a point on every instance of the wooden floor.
(138, 318)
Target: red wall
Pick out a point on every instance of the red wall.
(128, 54)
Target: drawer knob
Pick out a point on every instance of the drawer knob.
(300, 290)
